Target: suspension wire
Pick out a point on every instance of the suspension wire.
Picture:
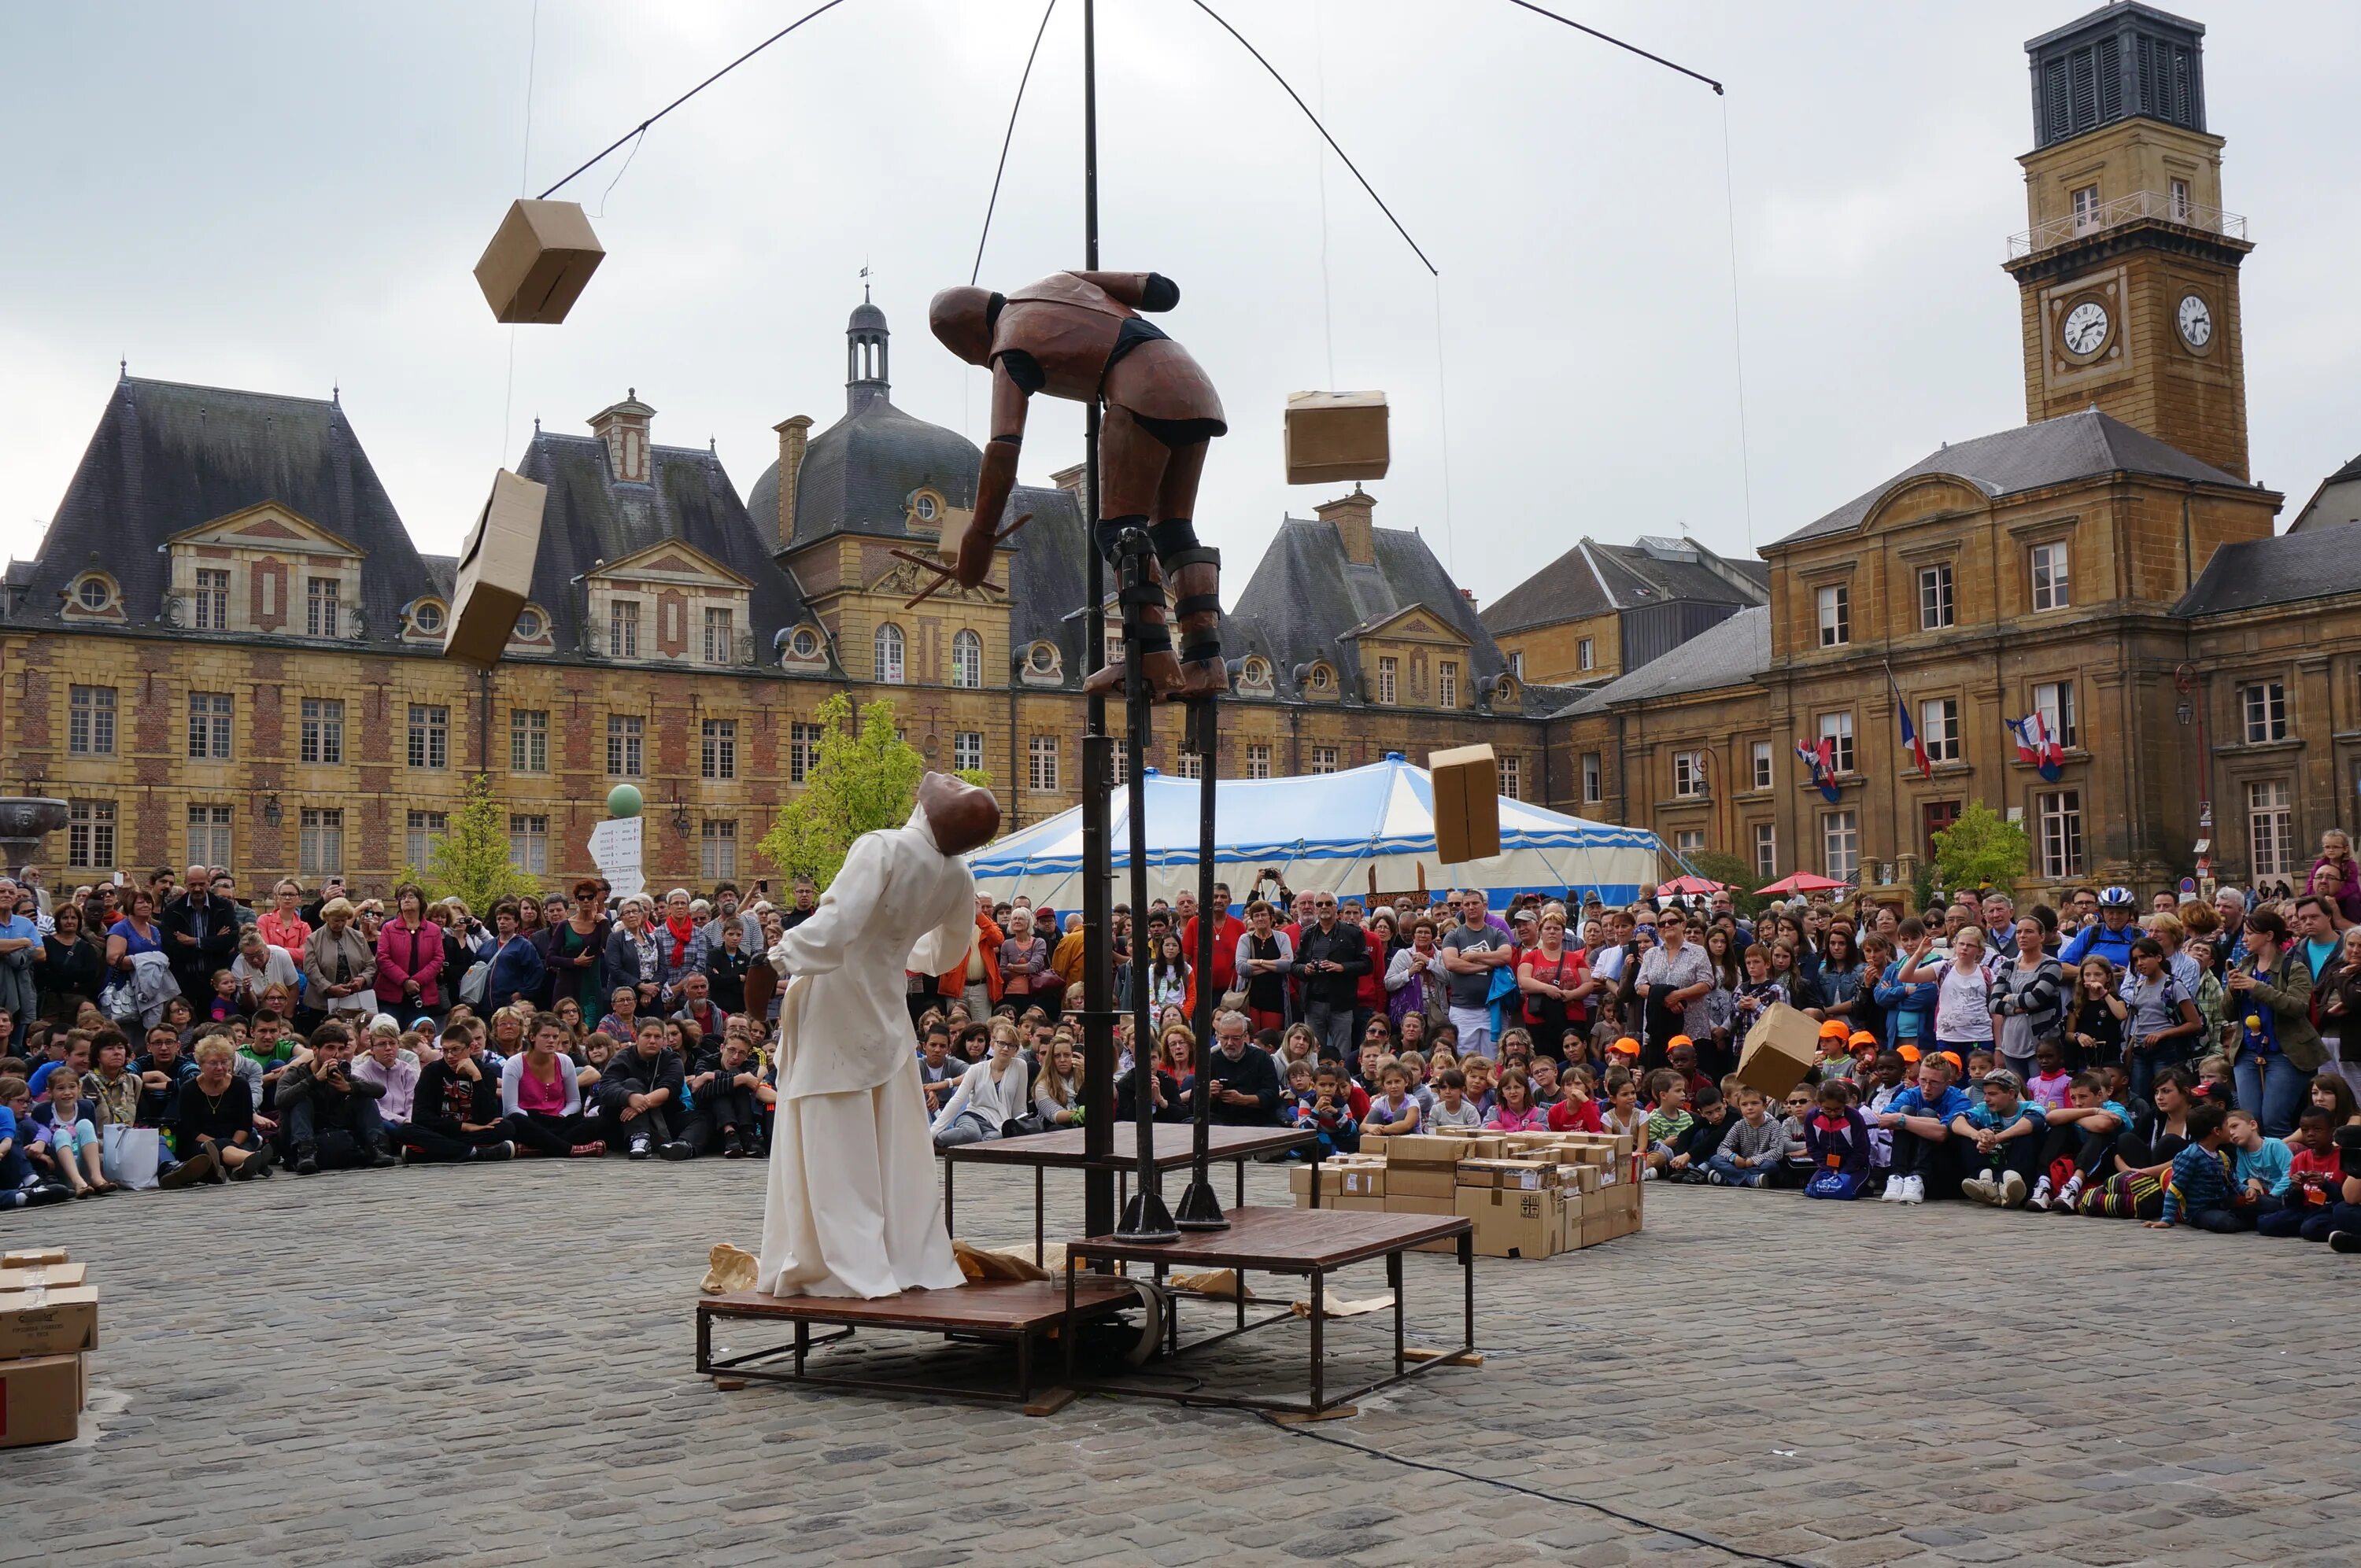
(1308, 114)
(524, 166)
(1443, 407)
(1319, 93)
(1737, 327)
(1619, 43)
(1008, 136)
(641, 129)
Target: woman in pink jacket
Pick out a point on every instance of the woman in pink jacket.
(410, 958)
(282, 925)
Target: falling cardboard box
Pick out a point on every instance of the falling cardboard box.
(496, 571)
(1780, 1050)
(538, 262)
(1331, 437)
(1467, 781)
(41, 1399)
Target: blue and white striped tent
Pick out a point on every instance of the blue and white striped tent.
(1325, 832)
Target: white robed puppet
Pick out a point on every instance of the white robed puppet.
(853, 1206)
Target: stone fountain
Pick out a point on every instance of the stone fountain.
(26, 821)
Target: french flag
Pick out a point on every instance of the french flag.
(1822, 761)
(2035, 745)
(1911, 744)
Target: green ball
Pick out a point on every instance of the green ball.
(624, 800)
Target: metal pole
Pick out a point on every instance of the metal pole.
(1098, 949)
(1200, 1210)
(1145, 1218)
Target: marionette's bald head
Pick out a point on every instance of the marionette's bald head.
(960, 815)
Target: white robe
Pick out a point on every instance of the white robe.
(853, 1206)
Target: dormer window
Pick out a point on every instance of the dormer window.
(320, 608)
(1042, 658)
(926, 506)
(531, 625)
(1321, 677)
(426, 618)
(94, 593)
(805, 644)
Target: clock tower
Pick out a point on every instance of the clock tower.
(2129, 273)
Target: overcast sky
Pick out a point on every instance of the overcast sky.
(285, 196)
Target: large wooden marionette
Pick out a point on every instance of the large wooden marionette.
(1078, 335)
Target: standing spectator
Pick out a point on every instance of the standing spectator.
(576, 951)
(200, 936)
(1169, 975)
(1330, 959)
(2279, 1049)
(1675, 977)
(1417, 983)
(340, 964)
(282, 925)
(409, 958)
(1227, 931)
(1261, 960)
(674, 934)
(2027, 994)
(20, 949)
(1024, 958)
(727, 964)
(72, 969)
(516, 967)
(137, 960)
(727, 912)
(331, 887)
(257, 967)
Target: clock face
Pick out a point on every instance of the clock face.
(2086, 327)
(2196, 321)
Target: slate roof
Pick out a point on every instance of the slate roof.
(1728, 654)
(859, 474)
(1304, 597)
(2320, 562)
(1049, 581)
(2028, 457)
(166, 457)
(590, 518)
(1593, 578)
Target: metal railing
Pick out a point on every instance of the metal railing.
(2124, 210)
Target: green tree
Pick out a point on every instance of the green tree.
(1983, 848)
(864, 777)
(1722, 865)
(470, 859)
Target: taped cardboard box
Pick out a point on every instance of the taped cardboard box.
(49, 1277)
(49, 1322)
(1780, 1050)
(1333, 436)
(1467, 791)
(1511, 1224)
(495, 575)
(1512, 1175)
(33, 1256)
(1597, 1227)
(1362, 1182)
(1424, 1149)
(1352, 1205)
(1375, 1144)
(1428, 1181)
(41, 1399)
(539, 262)
(1569, 1219)
(1400, 1203)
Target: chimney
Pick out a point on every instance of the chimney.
(1350, 518)
(793, 433)
(1069, 480)
(624, 428)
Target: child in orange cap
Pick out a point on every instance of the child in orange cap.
(1835, 1060)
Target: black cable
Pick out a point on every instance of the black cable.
(1008, 138)
(1631, 1519)
(1308, 114)
(1619, 43)
(641, 128)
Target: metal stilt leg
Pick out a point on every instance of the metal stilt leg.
(1145, 1218)
(1200, 1209)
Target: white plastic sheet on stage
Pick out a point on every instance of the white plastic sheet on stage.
(1325, 832)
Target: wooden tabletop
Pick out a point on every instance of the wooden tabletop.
(991, 1306)
(1175, 1147)
(1282, 1241)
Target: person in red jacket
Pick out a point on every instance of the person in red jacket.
(1227, 929)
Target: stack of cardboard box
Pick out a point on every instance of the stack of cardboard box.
(1532, 1195)
(48, 1324)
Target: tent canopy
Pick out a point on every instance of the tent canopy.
(1325, 832)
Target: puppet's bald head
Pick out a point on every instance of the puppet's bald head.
(962, 320)
(960, 815)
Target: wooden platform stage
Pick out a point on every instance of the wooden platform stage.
(1013, 1312)
(1309, 1242)
(1063, 1150)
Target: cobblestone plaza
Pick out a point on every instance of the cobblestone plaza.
(435, 1365)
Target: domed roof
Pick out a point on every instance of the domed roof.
(860, 473)
(866, 317)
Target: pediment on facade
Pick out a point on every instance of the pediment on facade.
(268, 526)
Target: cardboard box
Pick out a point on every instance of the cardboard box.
(32, 1256)
(1329, 436)
(1476, 1144)
(50, 1322)
(1596, 1228)
(1586, 1177)
(1511, 1224)
(1428, 1181)
(41, 1399)
(1425, 1148)
(1375, 1144)
(539, 261)
(1509, 1175)
(1352, 1205)
(1397, 1201)
(1780, 1050)
(50, 1277)
(496, 571)
(1362, 1182)
(1466, 787)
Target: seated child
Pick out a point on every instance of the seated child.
(1576, 1112)
(1478, 1071)
(2050, 1080)
(68, 1128)
(1547, 1090)
(2200, 1191)
(1622, 1117)
(1680, 1051)
(1920, 1120)
(1415, 1066)
(1837, 1140)
(1712, 1119)
(1796, 1164)
(1836, 1052)
(2315, 1181)
(1668, 1121)
(1513, 1110)
(2262, 1167)
(2081, 1140)
(22, 1183)
(1325, 1109)
(1452, 1108)
(1883, 1082)
(1393, 1113)
(1999, 1140)
(1752, 1148)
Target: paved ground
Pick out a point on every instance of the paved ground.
(430, 1366)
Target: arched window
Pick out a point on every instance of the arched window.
(967, 660)
(889, 655)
